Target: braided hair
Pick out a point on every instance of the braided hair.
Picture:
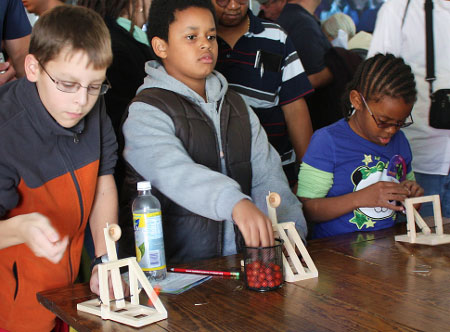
(381, 76)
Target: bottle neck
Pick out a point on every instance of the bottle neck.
(146, 192)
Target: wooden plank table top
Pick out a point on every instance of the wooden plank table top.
(367, 282)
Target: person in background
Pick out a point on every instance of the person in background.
(15, 30)
(401, 30)
(360, 44)
(199, 144)
(131, 50)
(38, 7)
(339, 29)
(297, 18)
(57, 158)
(356, 169)
(331, 7)
(260, 63)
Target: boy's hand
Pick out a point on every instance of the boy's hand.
(9, 73)
(255, 226)
(383, 194)
(95, 285)
(40, 236)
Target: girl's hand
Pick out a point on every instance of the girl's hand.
(415, 190)
(383, 194)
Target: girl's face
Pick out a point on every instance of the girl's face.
(379, 120)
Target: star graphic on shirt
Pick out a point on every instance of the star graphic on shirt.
(361, 220)
(367, 159)
(370, 223)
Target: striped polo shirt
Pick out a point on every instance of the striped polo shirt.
(277, 79)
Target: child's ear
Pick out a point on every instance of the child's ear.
(159, 47)
(31, 67)
(355, 99)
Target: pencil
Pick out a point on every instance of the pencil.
(217, 273)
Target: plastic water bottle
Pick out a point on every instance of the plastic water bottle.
(148, 233)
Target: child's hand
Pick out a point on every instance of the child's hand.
(381, 193)
(40, 236)
(415, 190)
(255, 226)
(95, 284)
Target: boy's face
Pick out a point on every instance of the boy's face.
(66, 108)
(190, 54)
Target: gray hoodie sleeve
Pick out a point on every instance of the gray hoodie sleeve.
(153, 149)
(268, 176)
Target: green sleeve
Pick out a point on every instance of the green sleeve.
(411, 176)
(312, 182)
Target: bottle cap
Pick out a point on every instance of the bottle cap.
(144, 185)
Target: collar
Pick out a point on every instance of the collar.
(256, 25)
(42, 121)
(138, 33)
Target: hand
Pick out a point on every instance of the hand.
(255, 226)
(8, 75)
(95, 284)
(39, 235)
(381, 193)
(415, 190)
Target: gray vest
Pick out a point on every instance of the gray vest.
(189, 236)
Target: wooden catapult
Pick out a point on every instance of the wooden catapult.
(413, 217)
(119, 310)
(294, 270)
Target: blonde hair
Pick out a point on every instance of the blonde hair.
(71, 28)
(336, 22)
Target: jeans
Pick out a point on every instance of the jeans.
(432, 185)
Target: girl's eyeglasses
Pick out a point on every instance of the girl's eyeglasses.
(224, 3)
(384, 124)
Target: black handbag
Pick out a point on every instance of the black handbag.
(440, 100)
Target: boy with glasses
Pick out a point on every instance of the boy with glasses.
(57, 161)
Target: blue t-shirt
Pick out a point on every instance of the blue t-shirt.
(355, 164)
(14, 22)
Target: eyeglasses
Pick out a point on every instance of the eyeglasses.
(73, 87)
(224, 3)
(383, 124)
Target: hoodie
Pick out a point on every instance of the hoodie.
(156, 153)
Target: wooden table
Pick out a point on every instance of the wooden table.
(367, 282)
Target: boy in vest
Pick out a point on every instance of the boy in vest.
(200, 145)
(57, 159)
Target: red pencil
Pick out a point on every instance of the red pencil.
(217, 273)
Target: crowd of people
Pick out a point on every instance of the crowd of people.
(216, 107)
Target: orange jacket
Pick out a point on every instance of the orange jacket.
(53, 171)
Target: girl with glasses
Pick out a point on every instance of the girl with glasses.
(357, 171)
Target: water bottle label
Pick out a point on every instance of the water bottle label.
(149, 241)
(140, 219)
